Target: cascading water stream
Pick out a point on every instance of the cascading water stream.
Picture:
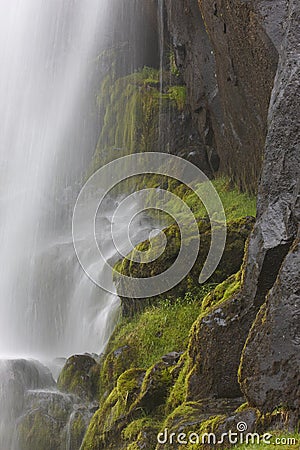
(48, 306)
(46, 54)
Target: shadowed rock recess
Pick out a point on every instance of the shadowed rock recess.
(199, 359)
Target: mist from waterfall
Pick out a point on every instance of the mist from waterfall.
(48, 86)
(47, 52)
(51, 70)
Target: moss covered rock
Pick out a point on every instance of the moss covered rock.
(237, 233)
(107, 424)
(216, 342)
(139, 113)
(51, 421)
(155, 388)
(143, 340)
(141, 433)
(131, 413)
(79, 376)
(200, 425)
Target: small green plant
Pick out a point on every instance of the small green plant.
(172, 64)
(178, 94)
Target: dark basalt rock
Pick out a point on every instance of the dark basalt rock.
(216, 344)
(219, 335)
(228, 59)
(155, 388)
(196, 64)
(269, 372)
(203, 417)
(246, 61)
(270, 367)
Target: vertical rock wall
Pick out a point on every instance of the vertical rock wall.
(256, 136)
(227, 54)
(271, 358)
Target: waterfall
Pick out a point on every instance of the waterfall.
(48, 79)
(50, 75)
(48, 53)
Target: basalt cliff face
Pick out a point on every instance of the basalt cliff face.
(227, 53)
(271, 358)
(240, 62)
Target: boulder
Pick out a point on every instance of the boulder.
(79, 376)
(53, 421)
(237, 233)
(16, 378)
(270, 365)
(114, 415)
(216, 344)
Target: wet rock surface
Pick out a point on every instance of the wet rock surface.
(270, 366)
(52, 420)
(218, 338)
(227, 55)
(277, 326)
(197, 68)
(278, 198)
(216, 344)
(16, 377)
(79, 376)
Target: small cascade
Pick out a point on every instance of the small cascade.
(16, 378)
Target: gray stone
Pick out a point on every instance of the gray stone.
(270, 367)
(269, 372)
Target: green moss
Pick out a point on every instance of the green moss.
(222, 291)
(143, 340)
(132, 431)
(238, 231)
(112, 416)
(77, 430)
(178, 392)
(129, 114)
(235, 203)
(155, 389)
(189, 418)
(80, 376)
(286, 440)
(243, 407)
(131, 412)
(178, 94)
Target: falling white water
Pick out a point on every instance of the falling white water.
(48, 53)
(48, 84)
